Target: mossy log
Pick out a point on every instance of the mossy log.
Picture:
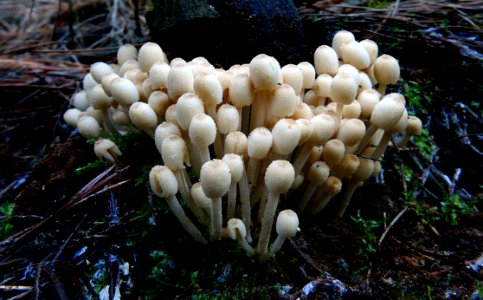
(226, 32)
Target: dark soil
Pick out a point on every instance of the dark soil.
(72, 251)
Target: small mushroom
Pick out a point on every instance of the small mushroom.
(237, 231)
(287, 226)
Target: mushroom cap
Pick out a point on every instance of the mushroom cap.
(126, 52)
(164, 130)
(318, 172)
(286, 136)
(98, 98)
(308, 73)
(368, 99)
(259, 142)
(207, 86)
(265, 72)
(347, 167)
(351, 131)
(241, 90)
(71, 116)
(106, 82)
(315, 155)
(333, 152)
(287, 223)
(162, 181)
(199, 196)
(371, 48)
(95, 113)
(236, 142)
(302, 111)
(401, 125)
(79, 100)
(234, 224)
(106, 149)
(235, 163)
(343, 88)
(99, 69)
(332, 186)
(202, 130)
(386, 113)
(174, 152)
(279, 176)
(355, 54)
(187, 107)
(321, 85)
(170, 115)
(180, 80)
(158, 74)
(293, 76)
(415, 126)
(365, 82)
(124, 91)
(142, 115)
(88, 82)
(159, 102)
(130, 64)
(282, 101)
(120, 118)
(365, 169)
(227, 118)
(386, 69)
(150, 53)
(326, 60)
(298, 180)
(306, 129)
(323, 129)
(352, 111)
(215, 178)
(88, 126)
(340, 38)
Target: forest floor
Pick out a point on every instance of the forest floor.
(72, 225)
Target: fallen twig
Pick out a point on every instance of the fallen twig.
(393, 222)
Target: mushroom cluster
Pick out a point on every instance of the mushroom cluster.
(252, 133)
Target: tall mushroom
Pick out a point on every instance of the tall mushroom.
(278, 180)
(215, 179)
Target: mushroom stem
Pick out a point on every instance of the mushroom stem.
(232, 192)
(218, 145)
(302, 156)
(382, 89)
(277, 245)
(245, 203)
(243, 243)
(365, 139)
(184, 220)
(267, 223)
(309, 191)
(259, 109)
(381, 147)
(245, 119)
(252, 171)
(185, 191)
(278, 180)
(216, 219)
(349, 189)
